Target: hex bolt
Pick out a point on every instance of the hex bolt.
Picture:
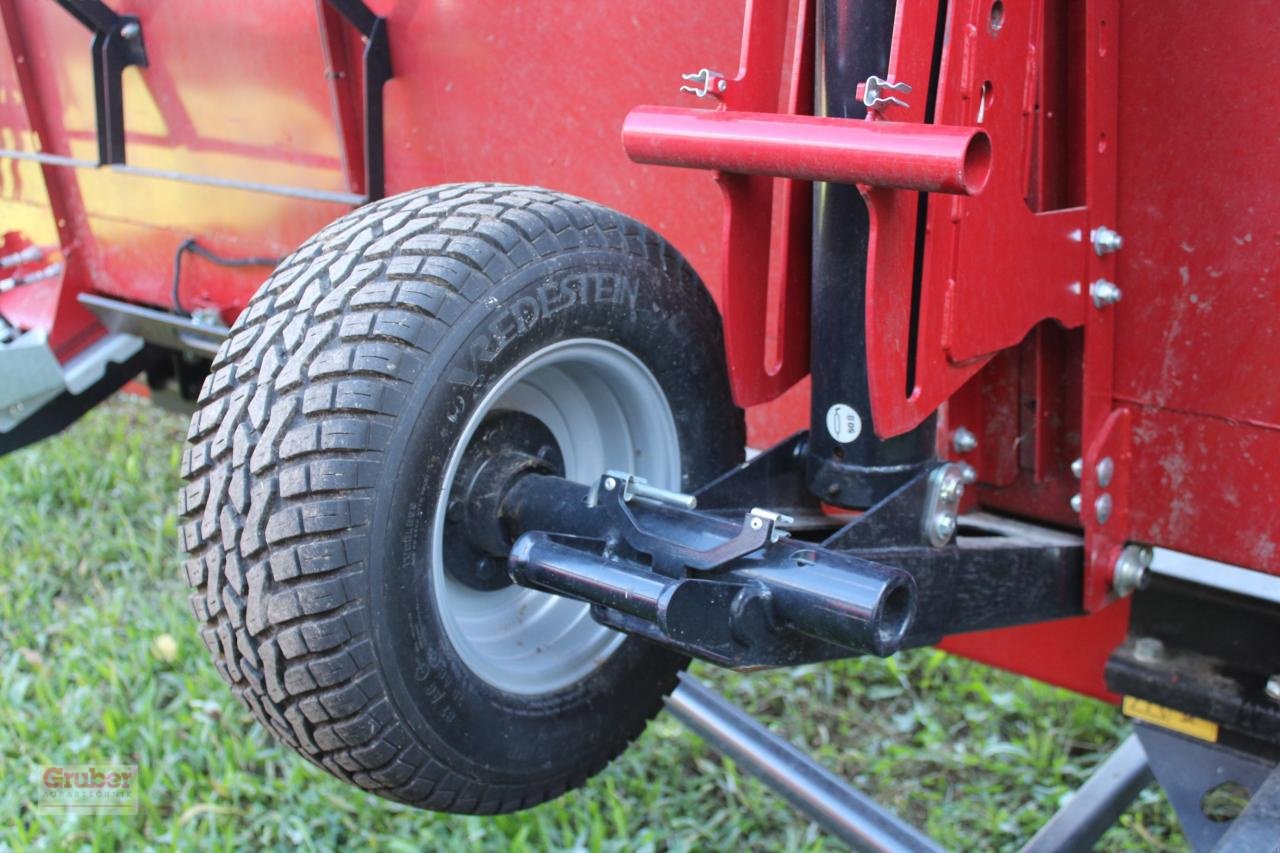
(1104, 293)
(130, 30)
(1077, 468)
(1102, 508)
(1077, 503)
(1105, 241)
(944, 525)
(207, 316)
(1132, 569)
(1148, 650)
(1273, 688)
(968, 474)
(952, 488)
(1105, 470)
(963, 440)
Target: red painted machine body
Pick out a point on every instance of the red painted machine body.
(1097, 115)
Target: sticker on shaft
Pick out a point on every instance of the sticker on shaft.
(844, 423)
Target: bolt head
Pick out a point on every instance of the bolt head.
(1077, 503)
(1102, 508)
(1077, 468)
(968, 474)
(1148, 649)
(207, 316)
(130, 30)
(963, 440)
(945, 525)
(756, 524)
(1273, 688)
(610, 484)
(1105, 241)
(1105, 469)
(1131, 569)
(951, 488)
(721, 85)
(1104, 293)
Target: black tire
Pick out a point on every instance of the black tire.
(313, 466)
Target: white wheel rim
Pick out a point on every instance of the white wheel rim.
(606, 411)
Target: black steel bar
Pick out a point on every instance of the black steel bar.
(377, 71)
(846, 813)
(117, 44)
(848, 464)
(1215, 651)
(1098, 803)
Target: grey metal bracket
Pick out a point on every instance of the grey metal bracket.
(1188, 769)
(839, 808)
(1098, 803)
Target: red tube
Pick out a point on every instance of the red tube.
(924, 157)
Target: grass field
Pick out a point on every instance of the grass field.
(90, 587)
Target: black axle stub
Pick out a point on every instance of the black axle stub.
(739, 593)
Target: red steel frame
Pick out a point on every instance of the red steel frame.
(1086, 111)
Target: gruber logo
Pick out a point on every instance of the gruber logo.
(88, 789)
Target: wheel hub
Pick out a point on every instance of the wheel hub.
(507, 445)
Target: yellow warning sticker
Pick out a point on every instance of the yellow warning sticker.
(1168, 718)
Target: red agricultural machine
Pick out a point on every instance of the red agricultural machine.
(466, 485)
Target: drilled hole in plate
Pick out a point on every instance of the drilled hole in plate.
(985, 96)
(1225, 802)
(996, 19)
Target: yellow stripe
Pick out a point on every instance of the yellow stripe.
(1168, 718)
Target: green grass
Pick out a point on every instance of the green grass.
(89, 578)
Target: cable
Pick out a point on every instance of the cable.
(190, 245)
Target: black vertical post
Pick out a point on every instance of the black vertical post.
(848, 465)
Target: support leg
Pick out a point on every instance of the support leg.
(1098, 804)
(843, 811)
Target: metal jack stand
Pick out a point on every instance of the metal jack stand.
(859, 821)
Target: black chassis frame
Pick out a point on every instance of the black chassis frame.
(714, 583)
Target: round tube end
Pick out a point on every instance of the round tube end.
(976, 169)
